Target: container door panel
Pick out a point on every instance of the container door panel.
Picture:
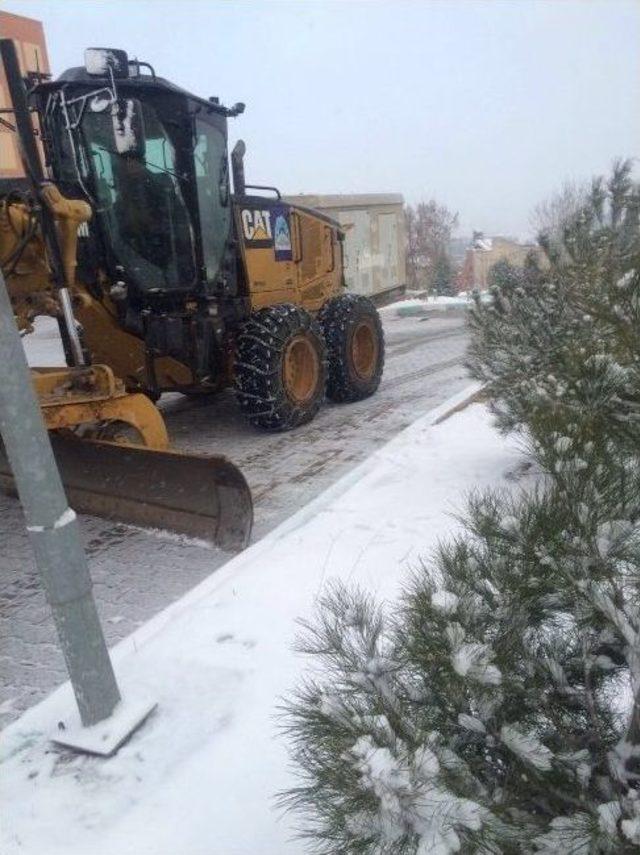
(387, 255)
(357, 250)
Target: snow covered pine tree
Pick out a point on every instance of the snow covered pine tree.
(498, 710)
(559, 343)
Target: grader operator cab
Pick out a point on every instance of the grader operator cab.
(162, 279)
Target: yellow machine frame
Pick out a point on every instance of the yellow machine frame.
(312, 276)
(93, 396)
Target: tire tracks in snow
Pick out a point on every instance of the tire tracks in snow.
(412, 376)
(406, 345)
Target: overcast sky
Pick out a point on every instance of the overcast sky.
(485, 105)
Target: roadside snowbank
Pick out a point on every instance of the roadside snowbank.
(426, 305)
(200, 777)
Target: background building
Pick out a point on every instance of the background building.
(484, 253)
(32, 55)
(374, 243)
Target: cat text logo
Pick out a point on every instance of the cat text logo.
(256, 225)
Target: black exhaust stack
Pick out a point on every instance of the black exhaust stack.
(237, 168)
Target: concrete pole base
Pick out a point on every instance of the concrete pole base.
(108, 735)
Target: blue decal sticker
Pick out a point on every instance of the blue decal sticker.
(281, 233)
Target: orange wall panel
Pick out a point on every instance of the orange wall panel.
(32, 54)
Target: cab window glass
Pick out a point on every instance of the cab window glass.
(142, 202)
(212, 179)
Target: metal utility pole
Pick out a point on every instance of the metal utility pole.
(53, 529)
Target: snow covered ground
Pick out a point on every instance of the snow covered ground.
(43, 346)
(200, 777)
(137, 573)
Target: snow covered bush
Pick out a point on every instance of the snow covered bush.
(494, 710)
(558, 346)
(497, 710)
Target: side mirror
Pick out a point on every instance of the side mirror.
(99, 61)
(128, 127)
(100, 103)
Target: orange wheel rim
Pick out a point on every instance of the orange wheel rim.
(364, 350)
(301, 368)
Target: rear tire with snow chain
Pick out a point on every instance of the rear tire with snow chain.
(280, 368)
(355, 347)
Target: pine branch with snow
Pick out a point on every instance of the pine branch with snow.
(495, 711)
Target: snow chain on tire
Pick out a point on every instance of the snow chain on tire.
(355, 347)
(280, 367)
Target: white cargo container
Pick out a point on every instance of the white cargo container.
(374, 241)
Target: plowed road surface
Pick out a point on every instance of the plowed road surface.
(137, 573)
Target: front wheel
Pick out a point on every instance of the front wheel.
(355, 347)
(280, 371)
(119, 433)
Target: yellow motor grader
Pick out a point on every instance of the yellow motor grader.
(162, 279)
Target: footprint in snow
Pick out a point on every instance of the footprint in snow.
(230, 637)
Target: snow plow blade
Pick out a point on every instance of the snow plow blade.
(205, 497)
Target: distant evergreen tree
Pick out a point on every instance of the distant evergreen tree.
(498, 709)
(443, 276)
(556, 331)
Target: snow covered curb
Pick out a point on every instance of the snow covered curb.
(200, 776)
